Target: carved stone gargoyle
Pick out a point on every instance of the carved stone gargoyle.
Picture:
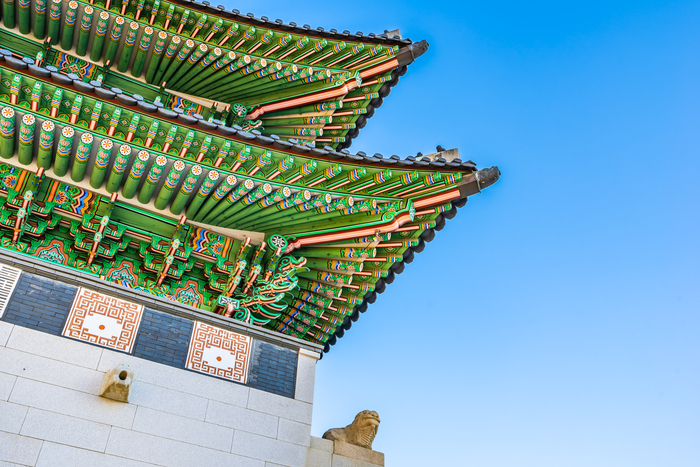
(117, 383)
(360, 432)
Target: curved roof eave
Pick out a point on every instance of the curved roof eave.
(251, 19)
(488, 177)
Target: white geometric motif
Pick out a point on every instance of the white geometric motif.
(219, 352)
(103, 320)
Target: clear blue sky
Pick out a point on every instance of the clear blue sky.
(555, 321)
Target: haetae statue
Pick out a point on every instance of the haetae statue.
(360, 432)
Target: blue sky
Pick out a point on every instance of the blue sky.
(555, 320)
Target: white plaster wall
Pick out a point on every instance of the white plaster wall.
(50, 414)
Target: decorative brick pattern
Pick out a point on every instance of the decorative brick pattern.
(163, 338)
(219, 352)
(103, 320)
(273, 369)
(56, 308)
(39, 303)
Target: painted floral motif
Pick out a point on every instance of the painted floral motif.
(73, 199)
(189, 295)
(86, 20)
(67, 64)
(55, 11)
(210, 243)
(123, 275)
(53, 253)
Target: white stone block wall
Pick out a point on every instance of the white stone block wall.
(320, 453)
(51, 415)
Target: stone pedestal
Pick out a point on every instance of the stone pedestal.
(325, 453)
(350, 451)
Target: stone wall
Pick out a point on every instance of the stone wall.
(51, 415)
(43, 303)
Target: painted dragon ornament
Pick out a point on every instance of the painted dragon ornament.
(258, 295)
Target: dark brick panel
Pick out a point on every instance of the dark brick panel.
(163, 338)
(43, 304)
(273, 369)
(40, 303)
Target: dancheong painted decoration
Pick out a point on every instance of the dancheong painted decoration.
(200, 155)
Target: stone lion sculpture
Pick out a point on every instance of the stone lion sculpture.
(360, 432)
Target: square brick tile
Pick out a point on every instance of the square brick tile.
(219, 352)
(103, 320)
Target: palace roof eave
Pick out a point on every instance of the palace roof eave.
(278, 24)
(485, 178)
(237, 133)
(408, 52)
